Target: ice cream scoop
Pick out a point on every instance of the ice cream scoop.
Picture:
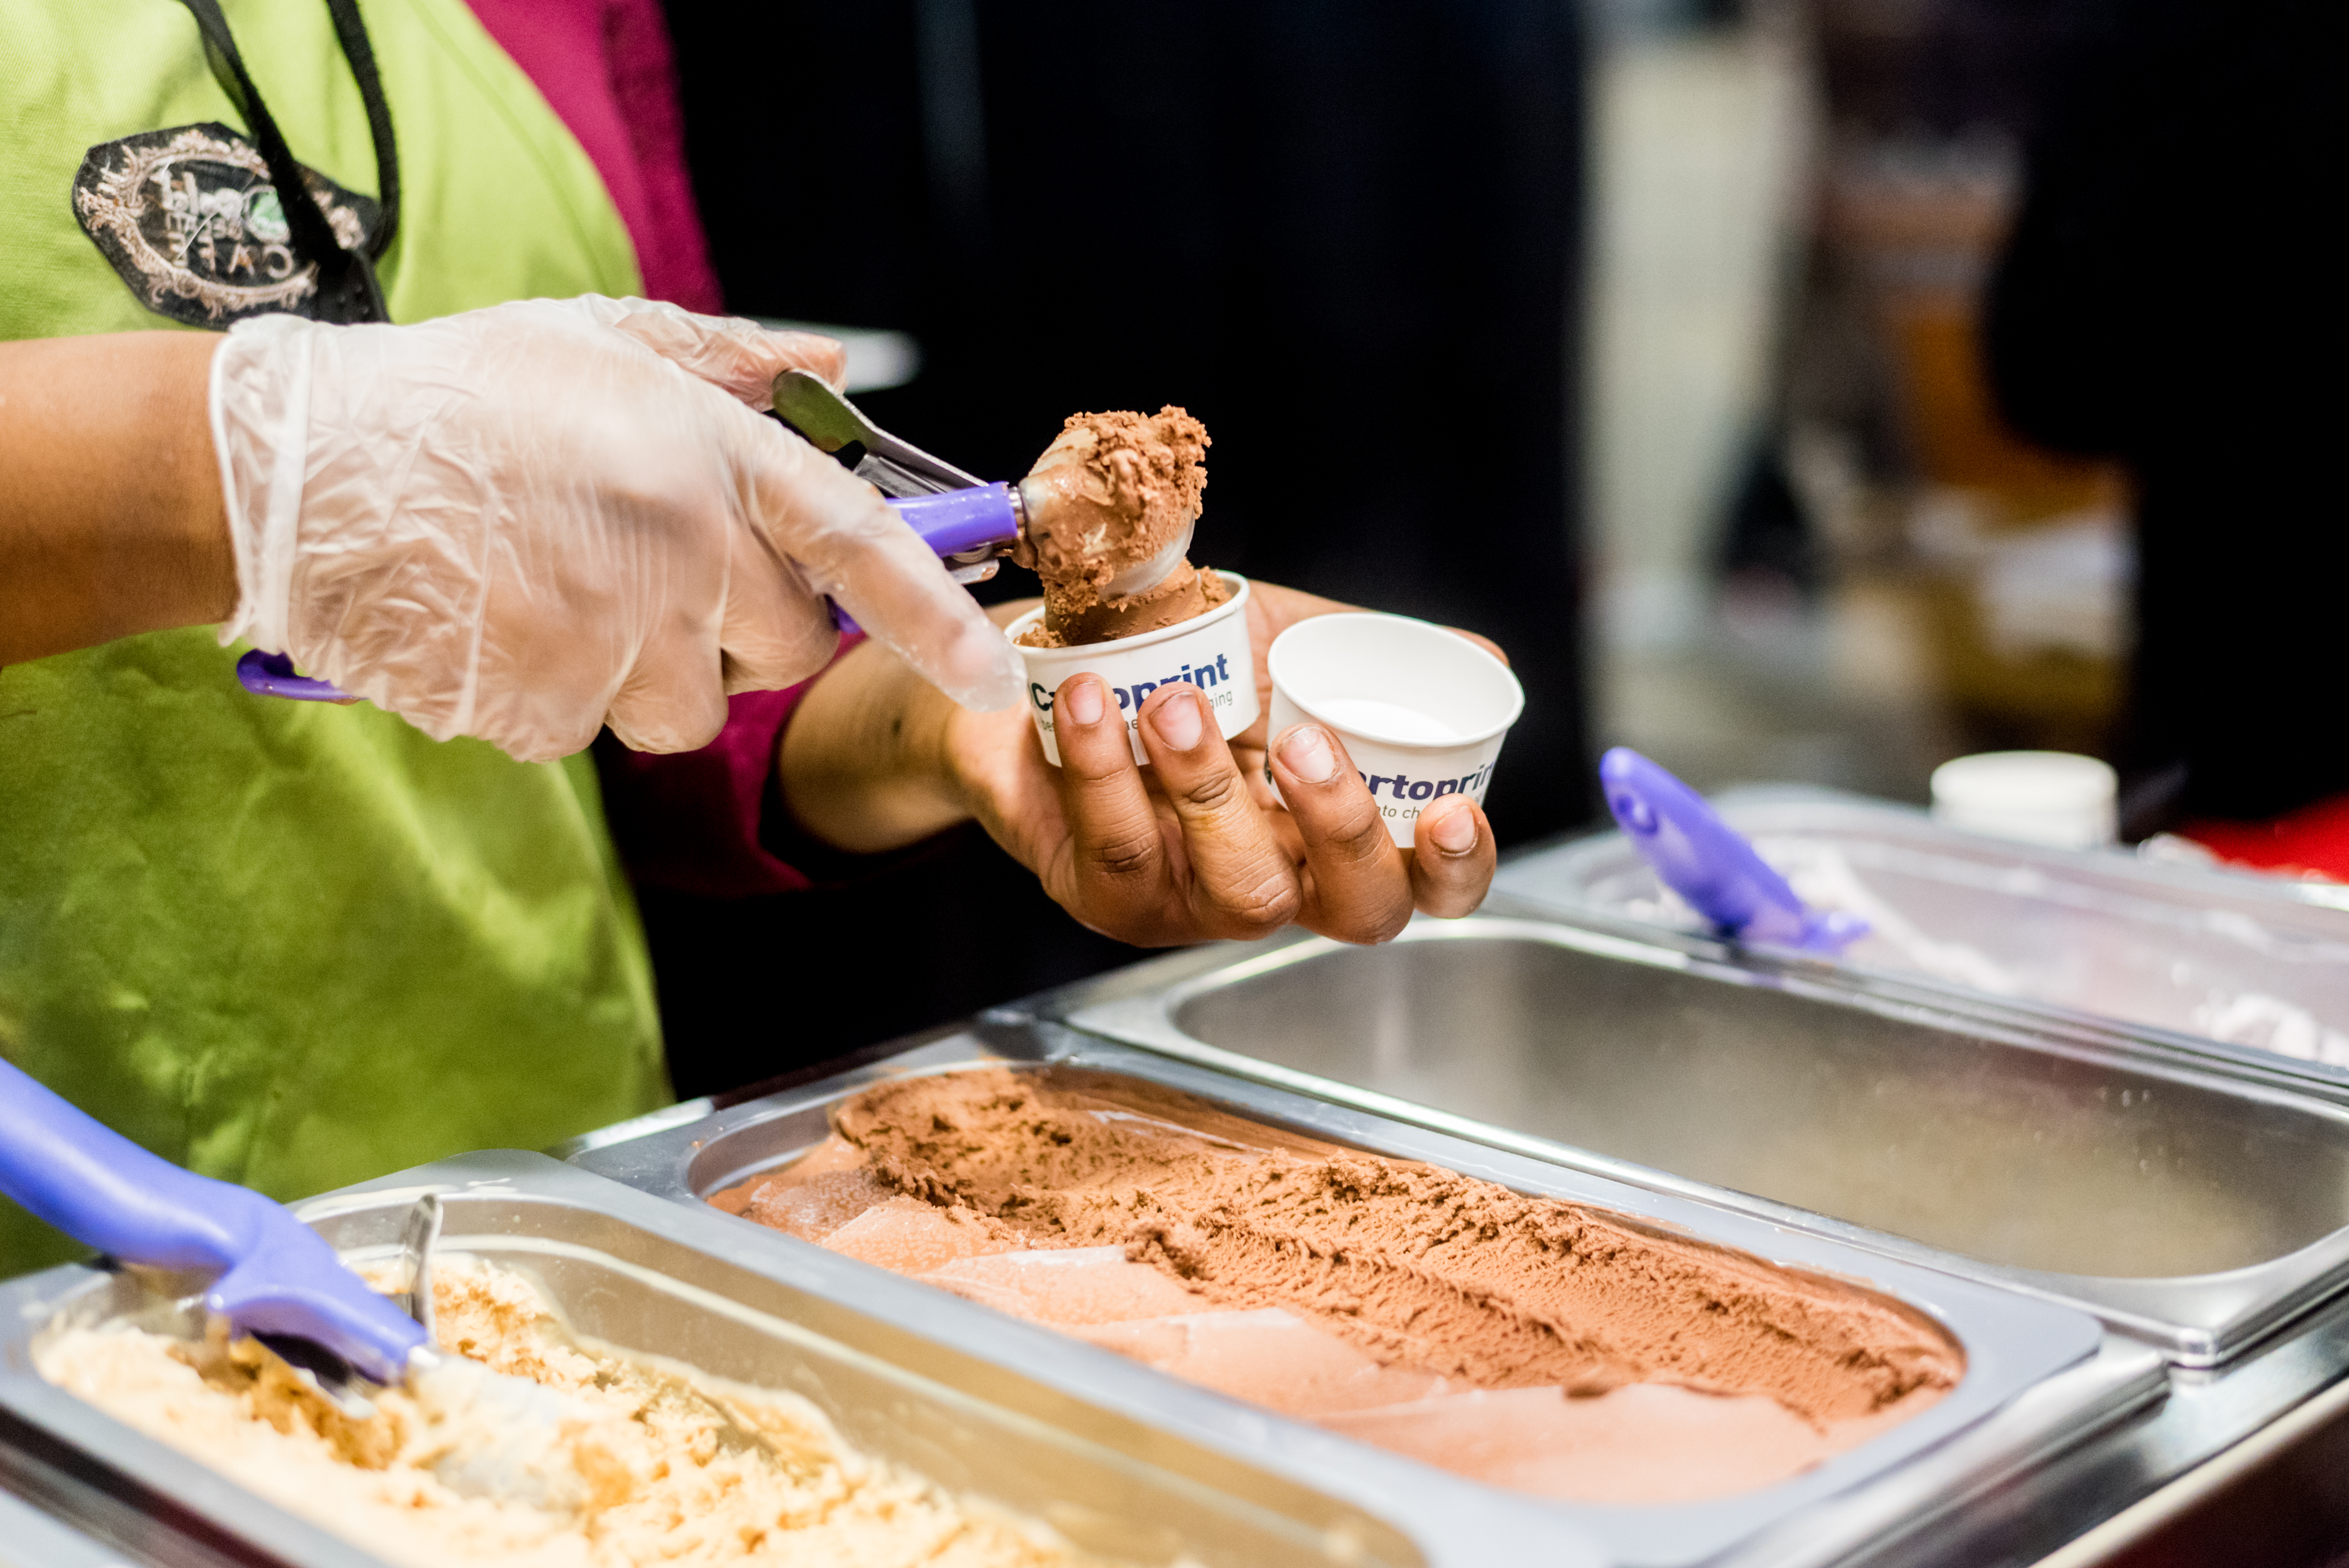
(1110, 509)
(972, 525)
(1709, 864)
(274, 1275)
(276, 1279)
(1105, 516)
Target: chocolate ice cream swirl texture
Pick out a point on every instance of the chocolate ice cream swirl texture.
(1416, 1265)
(1525, 1341)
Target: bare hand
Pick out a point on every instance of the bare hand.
(1199, 847)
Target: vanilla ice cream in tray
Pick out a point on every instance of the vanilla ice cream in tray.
(1496, 1356)
(730, 1410)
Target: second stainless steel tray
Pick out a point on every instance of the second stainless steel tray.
(2039, 1377)
(2251, 967)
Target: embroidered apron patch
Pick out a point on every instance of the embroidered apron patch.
(190, 219)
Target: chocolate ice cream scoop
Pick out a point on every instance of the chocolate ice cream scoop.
(1105, 516)
(1109, 510)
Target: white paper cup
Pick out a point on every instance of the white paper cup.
(1422, 710)
(1210, 651)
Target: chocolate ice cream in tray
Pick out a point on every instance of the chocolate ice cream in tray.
(1477, 1347)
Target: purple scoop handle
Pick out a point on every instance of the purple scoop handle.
(979, 517)
(949, 523)
(271, 675)
(1710, 864)
(275, 1274)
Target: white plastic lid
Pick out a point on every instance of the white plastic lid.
(2039, 796)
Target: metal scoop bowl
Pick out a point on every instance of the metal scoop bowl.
(969, 522)
(1144, 576)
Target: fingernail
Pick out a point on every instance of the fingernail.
(1306, 752)
(1454, 833)
(1176, 721)
(1083, 700)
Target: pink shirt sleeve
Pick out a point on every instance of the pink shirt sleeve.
(606, 69)
(695, 821)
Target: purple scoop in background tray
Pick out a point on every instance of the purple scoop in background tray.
(1710, 864)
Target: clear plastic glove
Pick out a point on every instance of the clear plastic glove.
(526, 522)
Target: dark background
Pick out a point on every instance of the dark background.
(2169, 297)
(1346, 236)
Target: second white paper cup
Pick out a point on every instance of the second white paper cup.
(1210, 651)
(1422, 710)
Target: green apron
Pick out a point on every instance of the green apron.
(294, 945)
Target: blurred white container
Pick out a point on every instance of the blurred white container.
(2036, 797)
(1422, 709)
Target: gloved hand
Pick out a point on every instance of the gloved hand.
(527, 522)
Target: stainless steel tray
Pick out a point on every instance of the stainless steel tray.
(2227, 961)
(30, 1537)
(2039, 1376)
(2197, 1203)
(641, 1275)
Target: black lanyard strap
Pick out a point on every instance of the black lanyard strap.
(347, 290)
